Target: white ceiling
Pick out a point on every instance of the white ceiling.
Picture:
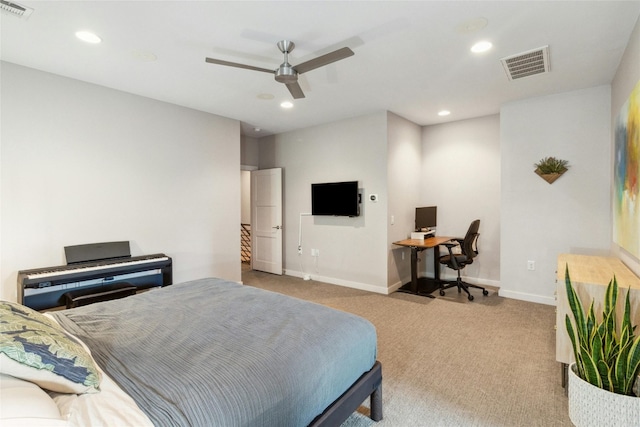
(411, 58)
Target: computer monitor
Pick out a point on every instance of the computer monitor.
(426, 217)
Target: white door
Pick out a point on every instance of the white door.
(266, 220)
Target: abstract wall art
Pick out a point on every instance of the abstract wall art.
(626, 192)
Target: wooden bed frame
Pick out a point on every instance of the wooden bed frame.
(368, 385)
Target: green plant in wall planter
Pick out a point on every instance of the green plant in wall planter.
(550, 168)
(601, 381)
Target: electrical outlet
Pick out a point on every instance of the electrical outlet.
(531, 265)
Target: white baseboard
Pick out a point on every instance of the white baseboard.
(527, 297)
(394, 287)
(386, 291)
(339, 282)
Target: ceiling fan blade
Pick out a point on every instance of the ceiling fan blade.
(235, 64)
(320, 61)
(296, 90)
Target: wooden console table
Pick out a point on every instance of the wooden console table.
(590, 276)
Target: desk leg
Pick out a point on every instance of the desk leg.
(436, 264)
(413, 287)
(414, 270)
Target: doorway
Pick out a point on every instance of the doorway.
(245, 217)
(261, 219)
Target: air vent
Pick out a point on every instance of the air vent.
(15, 9)
(525, 64)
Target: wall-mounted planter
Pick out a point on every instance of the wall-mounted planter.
(551, 168)
(549, 177)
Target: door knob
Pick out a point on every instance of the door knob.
(277, 227)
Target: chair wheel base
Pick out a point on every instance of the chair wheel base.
(462, 286)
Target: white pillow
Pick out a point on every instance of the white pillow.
(22, 403)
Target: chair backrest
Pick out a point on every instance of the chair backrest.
(470, 242)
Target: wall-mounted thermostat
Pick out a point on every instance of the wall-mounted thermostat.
(373, 197)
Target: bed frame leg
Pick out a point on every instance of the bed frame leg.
(376, 404)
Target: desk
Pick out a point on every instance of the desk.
(416, 246)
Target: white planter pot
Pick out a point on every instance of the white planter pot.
(592, 406)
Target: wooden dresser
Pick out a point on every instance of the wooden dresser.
(590, 276)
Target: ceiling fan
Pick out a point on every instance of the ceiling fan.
(287, 73)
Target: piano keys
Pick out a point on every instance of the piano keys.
(44, 288)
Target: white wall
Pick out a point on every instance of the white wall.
(249, 152)
(461, 176)
(249, 158)
(404, 184)
(627, 76)
(573, 215)
(245, 194)
(83, 163)
(353, 251)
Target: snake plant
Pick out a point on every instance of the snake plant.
(605, 356)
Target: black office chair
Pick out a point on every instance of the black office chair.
(455, 261)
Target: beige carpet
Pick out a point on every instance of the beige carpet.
(448, 361)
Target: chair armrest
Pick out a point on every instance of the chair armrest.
(452, 243)
(456, 242)
(449, 245)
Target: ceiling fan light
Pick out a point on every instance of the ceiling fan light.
(286, 104)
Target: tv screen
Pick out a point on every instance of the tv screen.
(335, 198)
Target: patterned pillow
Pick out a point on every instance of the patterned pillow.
(34, 348)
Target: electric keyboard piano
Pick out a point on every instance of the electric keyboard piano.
(43, 288)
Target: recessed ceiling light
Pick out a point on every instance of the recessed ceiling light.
(257, 129)
(87, 36)
(482, 46)
(443, 113)
(286, 104)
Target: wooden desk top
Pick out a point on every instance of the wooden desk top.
(431, 242)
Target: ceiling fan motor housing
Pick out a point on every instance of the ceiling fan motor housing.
(286, 74)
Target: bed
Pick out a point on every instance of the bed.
(202, 353)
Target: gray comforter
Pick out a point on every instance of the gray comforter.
(216, 353)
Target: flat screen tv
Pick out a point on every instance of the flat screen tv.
(335, 198)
